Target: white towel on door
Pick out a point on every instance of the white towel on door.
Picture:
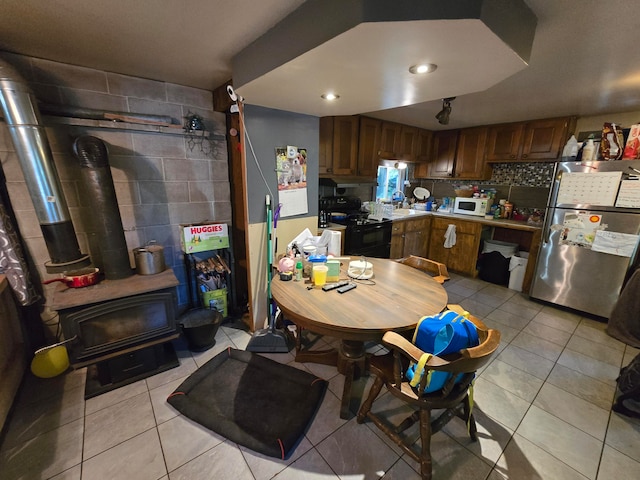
(450, 236)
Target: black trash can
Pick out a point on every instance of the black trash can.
(200, 327)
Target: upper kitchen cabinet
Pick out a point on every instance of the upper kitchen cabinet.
(536, 140)
(325, 154)
(408, 140)
(390, 137)
(457, 154)
(400, 141)
(423, 148)
(470, 154)
(443, 153)
(338, 145)
(368, 146)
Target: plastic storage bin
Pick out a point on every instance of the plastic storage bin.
(505, 248)
(517, 267)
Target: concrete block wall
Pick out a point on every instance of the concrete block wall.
(160, 181)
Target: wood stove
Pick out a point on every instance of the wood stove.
(122, 328)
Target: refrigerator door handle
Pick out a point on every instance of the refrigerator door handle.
(546, 226)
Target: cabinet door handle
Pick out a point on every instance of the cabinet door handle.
(525, 155)
(512, 156)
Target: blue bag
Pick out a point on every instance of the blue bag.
(446, 332)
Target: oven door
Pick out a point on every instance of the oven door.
(370, 240)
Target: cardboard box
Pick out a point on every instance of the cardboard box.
(202, 238)
(216, 299)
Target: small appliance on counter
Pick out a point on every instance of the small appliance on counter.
(472, 206)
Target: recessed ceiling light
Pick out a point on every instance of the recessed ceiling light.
(423, 68)
(330, 96)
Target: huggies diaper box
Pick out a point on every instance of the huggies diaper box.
(201, 238)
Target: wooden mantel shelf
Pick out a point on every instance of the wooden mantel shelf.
(117, 125)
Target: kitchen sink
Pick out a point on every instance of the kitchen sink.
(405, 212)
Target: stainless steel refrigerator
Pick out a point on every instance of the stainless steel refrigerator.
(590, 235)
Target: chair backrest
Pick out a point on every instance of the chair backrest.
(436, 269)
(471, 359)
(466, 361)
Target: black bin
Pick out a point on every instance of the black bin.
(200, 327)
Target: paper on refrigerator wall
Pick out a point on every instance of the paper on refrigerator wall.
(629, 195)
(614, 243)
(589, 188)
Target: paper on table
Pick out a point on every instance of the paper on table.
(589, 188)
(629, 195)
(615, 243)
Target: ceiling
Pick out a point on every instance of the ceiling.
(584, 60)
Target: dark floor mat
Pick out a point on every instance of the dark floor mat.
(254, 401)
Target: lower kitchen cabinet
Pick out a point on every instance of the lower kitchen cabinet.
(410, 237)
(462, 257)
(397, 239)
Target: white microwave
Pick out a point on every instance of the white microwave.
(472, 206)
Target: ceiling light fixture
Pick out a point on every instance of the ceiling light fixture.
(443, 115)
(400, 165)
(423, 68)
(330, 96)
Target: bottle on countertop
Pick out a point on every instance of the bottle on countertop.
(497, 213)
(508, 210)
(298, 276)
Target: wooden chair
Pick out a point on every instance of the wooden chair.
(436, 269)
(454, 397)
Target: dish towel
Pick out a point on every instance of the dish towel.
(450, 236)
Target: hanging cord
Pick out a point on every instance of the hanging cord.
(238, 99)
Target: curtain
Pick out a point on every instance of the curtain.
(13, 262)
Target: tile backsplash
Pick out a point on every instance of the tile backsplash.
(524, 184)
(523, 174)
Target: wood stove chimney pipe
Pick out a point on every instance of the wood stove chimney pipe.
(20, 110)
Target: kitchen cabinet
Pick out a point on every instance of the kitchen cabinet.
(462, 257)
(390, 137)
(410, 237)
(338, 145)
(536, 140)
(443, 153)
(423, 148)
(368, 146)
(458, 154)
(408, 141)
(470, 154)
(416, 237)
(325, 153)
(397, 239)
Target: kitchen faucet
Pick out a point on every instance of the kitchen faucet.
(402, 198)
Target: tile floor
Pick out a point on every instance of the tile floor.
(542, 407)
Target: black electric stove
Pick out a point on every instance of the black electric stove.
(363, 236)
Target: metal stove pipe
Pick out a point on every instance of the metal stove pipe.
(20, 110)
(97, 182)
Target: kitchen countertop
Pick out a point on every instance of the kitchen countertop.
(503, 223)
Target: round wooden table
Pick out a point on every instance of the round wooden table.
(394, 299)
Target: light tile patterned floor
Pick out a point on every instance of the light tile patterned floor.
(542, 408)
